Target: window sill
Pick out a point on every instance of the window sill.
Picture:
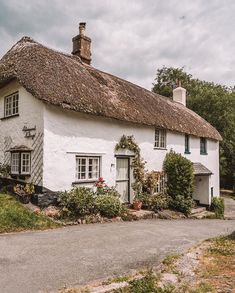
(164, 149)
(20, 176)
(204, 154)
(187, 153)
(84, 181)
(8, 117)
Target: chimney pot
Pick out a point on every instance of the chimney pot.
(82, 28)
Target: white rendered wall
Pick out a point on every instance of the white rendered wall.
(11, 134)
(68, 133)
(202, 189)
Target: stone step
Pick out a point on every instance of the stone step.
(198, 210)
(142, 214)
(202, 215)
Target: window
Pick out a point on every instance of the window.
(187, 147)
(25, 163)
(20, 163)
(212, 192)
(11, 105)
(15, 163)
(160, 138)
(161, 183)
(203, 146)
(87, 168)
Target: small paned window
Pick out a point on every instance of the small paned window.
(20, 163)
(15, 163)
(87, 168)
(160, 138)
(11, 105)
(203, 146)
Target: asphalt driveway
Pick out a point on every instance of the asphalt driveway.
(42, 261)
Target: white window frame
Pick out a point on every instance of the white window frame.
(15, 163)
(23, 160)
(87, 171)
(160, 138)
(11, 105)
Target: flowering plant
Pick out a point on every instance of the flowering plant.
(101, 186)
(24, 192)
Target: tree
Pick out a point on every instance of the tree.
(215, 103)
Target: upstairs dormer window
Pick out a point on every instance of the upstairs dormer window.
(160, 139)
(11, 105)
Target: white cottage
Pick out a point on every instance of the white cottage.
(61, 119)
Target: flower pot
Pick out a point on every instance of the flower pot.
(137, 205)
(24, 199)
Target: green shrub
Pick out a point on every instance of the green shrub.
(108, 205)
(159, 202)
(180, 176)
(181, 204)
(180, 181)
(151, 180)
(78, 202)
(217, 206)
(155, 202)
(145, 198)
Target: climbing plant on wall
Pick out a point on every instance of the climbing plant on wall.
(138, 164)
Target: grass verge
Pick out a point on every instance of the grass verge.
(216, 271)
(15, 217)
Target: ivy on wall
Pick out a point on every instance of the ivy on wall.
(138, 164)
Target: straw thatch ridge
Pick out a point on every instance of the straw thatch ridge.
(63, 80)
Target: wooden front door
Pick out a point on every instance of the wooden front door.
(123, 178)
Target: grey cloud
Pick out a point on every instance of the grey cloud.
(132, 38)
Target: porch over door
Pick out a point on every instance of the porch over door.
(123, 178)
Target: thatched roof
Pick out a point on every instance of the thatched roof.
(63, 80)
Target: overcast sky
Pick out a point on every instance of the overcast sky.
(131, 39)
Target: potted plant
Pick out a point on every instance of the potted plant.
(137, 203)
(24, 193)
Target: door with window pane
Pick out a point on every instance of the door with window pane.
(123, 178)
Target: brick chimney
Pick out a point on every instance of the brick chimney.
(82, 44)
(179, 94)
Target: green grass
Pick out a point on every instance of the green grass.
(118, 279)
(170, 260)
(15, 217)
(223, 245)
(203, 287)
(147, 284)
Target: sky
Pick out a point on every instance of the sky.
(132, 38)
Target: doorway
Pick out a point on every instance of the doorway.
(123, 178)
